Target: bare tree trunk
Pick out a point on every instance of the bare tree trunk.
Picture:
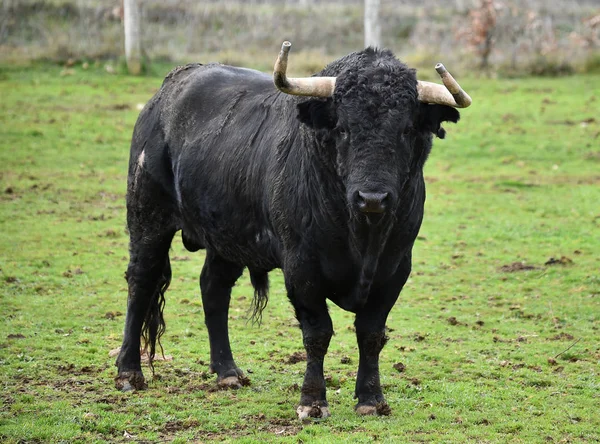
(372, 24)
(133, 35)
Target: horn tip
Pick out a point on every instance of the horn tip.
(286, 46)
(440, 68)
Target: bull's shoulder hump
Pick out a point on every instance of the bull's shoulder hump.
(235, 71)
(216, 76)
(175, 72)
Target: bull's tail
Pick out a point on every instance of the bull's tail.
(154, 325)
(260, 282)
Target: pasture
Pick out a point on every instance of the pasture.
(495, 337)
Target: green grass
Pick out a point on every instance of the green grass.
(515, 184)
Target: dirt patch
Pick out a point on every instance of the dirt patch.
(15, 336)
(569, 122)
(517, 266)
(510, 118)
(119, 107)
(563, 260)
(294, 387)
(276, 426)
(418, 337)
(178, 425)
(111, 399)
(72, 370)
(296, 357)
(593, 155)
(112, 314)
(453, 321)
(383, 409)
(562, 337)
(332, 383)
(70, 273)
(282, 427)
(399, 366)
(72, 383)
(110, 233)
(538, 90)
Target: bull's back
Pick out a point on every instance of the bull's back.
(220, 127)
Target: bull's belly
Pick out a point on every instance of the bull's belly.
(254, 257)
(251, 248)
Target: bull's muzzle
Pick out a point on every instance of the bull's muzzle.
(371, 202)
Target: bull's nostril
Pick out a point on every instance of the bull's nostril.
(371, 202)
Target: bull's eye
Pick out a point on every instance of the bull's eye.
(342, 133)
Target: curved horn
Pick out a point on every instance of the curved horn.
(450, 93)
(305, 86)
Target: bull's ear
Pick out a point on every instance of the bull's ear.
(317, 114)
(431, 118)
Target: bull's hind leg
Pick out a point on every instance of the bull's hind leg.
(216, 280)
(151, 224)
(148, 276)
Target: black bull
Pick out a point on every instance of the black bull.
(330, 190)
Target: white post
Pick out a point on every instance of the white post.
(132, 17)
(372, 23)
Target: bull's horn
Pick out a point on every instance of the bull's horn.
(450, 93)
(305, 86)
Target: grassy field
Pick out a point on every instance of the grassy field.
(494, 339)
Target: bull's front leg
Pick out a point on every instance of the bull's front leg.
(317, 329)
(371, 337)
(368, 385)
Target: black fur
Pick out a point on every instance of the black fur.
(265, 180)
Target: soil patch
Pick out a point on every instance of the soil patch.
(296, 357)
(517, 266)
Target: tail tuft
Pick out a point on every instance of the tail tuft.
(260, 282)
(154, 323)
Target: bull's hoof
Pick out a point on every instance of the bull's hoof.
(130, 381)
(233, 382)
(306, 412)
(381, 409)
(233, 379)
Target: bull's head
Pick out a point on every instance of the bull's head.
(380, 119)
